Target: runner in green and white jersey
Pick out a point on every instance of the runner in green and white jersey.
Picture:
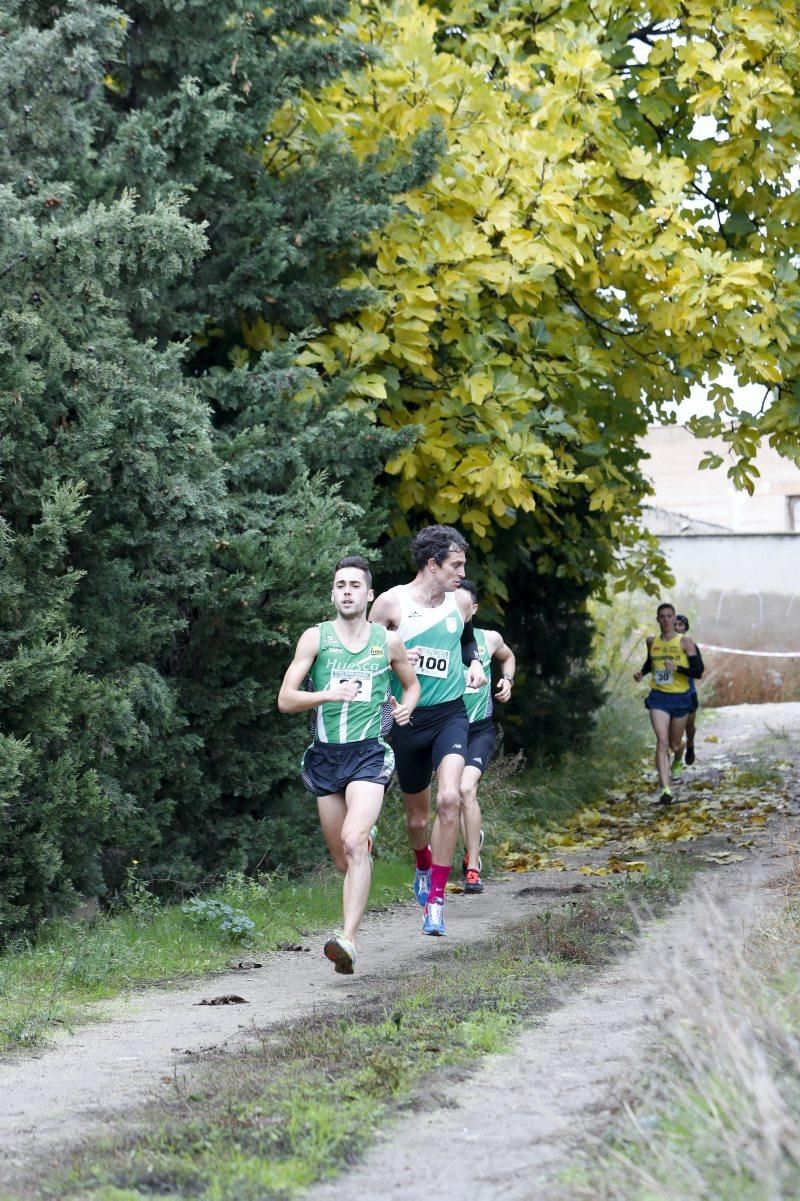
(481, 739)
(341, 669)
(433, 618)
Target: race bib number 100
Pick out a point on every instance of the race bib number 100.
(433, 661)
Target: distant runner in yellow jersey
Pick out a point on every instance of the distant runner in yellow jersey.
(341, 669)
(669, 703)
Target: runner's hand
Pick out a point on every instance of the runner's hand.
(637, 675)
(343, 690)
(413, 656)
(503, 691)
(400, 713)
(670, 664)
(475, 676)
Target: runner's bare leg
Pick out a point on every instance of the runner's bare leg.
(471, 814)
(448, 805)
(349, 820)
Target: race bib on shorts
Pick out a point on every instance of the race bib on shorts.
(351, 675)
(662, 675)
(433, 661)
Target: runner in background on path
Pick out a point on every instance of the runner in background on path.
(482, 738)
(682, 626)
(668, 700)
(341, 668)
(434, 619)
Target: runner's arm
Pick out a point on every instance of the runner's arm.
(398, 661)
(504, 655)
(696, 665)
(648, 663)
(293, 697)
(469, 647)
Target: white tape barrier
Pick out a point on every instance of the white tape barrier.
(732, 650)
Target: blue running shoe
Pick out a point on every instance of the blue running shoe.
(422, 885)
(433, 922)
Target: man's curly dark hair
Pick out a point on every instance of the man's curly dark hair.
(435, 542)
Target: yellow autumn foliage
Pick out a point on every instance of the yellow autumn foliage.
(612, 221)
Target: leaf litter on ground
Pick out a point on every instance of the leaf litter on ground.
(730, 800)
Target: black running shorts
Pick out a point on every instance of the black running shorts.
(328, 767)
(480, 748)
(435, 731)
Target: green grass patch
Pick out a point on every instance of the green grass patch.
(306, 1098)
(50, 984)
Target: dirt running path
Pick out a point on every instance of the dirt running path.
(84, 1084)
(511, 1126)
(507, 1131)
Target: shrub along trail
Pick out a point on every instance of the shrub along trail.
(512, 1120)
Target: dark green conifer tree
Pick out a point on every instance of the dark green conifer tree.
(91, 412)
(168, 526)
(188, 113)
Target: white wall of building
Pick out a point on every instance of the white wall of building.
(739, 590)
(744, 563)
(708, 495)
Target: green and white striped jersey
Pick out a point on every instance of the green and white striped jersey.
(351, 721)
(437, 632)
(478, 701)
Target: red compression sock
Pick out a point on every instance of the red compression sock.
(424, 859)
(439, 877)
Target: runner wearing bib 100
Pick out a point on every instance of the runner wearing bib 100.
(440, 721)
(431, 618)
(436, 634)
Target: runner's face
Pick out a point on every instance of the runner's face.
(350, 592)
(666, 620)
(450, 573)
(680, 626)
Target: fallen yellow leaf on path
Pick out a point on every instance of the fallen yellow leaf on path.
(722, 857)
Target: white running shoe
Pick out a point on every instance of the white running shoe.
(341, 953)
